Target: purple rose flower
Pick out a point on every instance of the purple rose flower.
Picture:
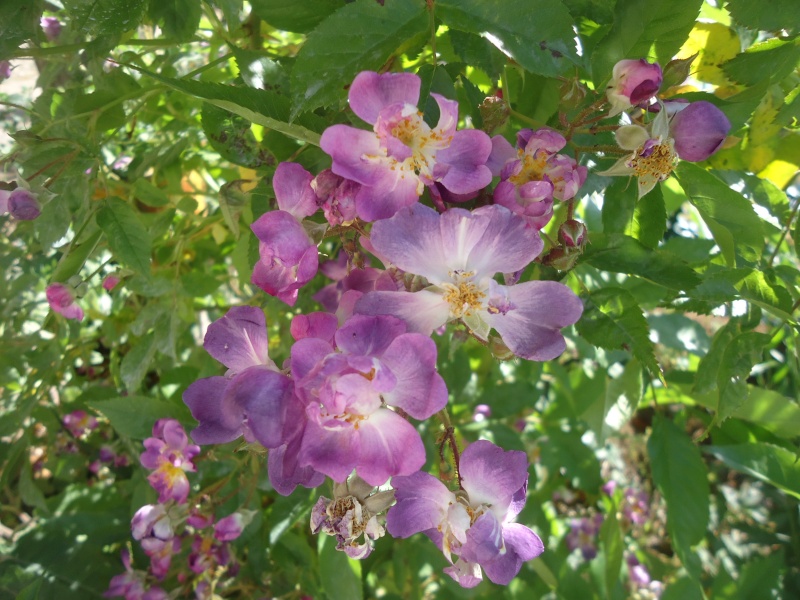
(336, 196)
(476, 523)
(62, 300)
(394, 162)
(458, 253)
(79, 422)
(583, 536)
(110, 282)
(347, 390)
(169, 453)
(699, 130)
(350, 515)
(633, 83)
(288, 256)
(51, 27)
(23, 205)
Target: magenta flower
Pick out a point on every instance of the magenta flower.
(633, 83)
(152, 520)
(51, 27)
(351, 516)
(635, 506)
(169, 453)
(699, 130)
(402, 154)
(160, 553)
(535, 174)
(23, 205)
(583, 535)
(131, 584)
(288, 256)
(110, 282)
(458, 253)
(62, 300)
(476, 524)
(347, 390)
(231, 527)
(79, 422)
(5, 69)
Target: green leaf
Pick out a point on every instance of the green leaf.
(478, 51)
(133, 416)
(537, 33)
(29, 491)
(777, 15)
(622, 397)
(622, 254)
(136, 363)
(613, 320)
(19, 21)
(339, 574)
(290, 15)
(767, 462)
(148, 194)
(257, 106)
(650, 218)
(684, 588)
(72, 262)
(729, 215)
(105, 17)
(681, 476)
(726, 367)
(54, 221)
(360, 36)
(761, 288)
(772, 411)
(178, 18)
(261, 72)
(643, 28)
(772, 60)
(125, 234)
(230, 135)
(619, 203)
(613, 548)
(565, 452)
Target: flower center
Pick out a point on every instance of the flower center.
(653, 160)
(463, 296)
(532, 169)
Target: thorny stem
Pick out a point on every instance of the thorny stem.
(448, 437)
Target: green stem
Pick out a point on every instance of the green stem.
(784, 233)
(450, 438)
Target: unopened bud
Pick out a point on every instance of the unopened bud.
(561, 258)
(572, 234)
(494, 112)
(677, 70)
(23, 205)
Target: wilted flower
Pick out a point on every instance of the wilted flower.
(633, 83)
(352, 514)
(170, 454)
(476, 523)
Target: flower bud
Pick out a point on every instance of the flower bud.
(51, 27)
(572, 234)
(23, 205)
(110, 282)
(5, 69)
(561, 258)
(677, 70)
(494, 112)
(572, 93)
(62, 300)
(699, 130)
(633, 83)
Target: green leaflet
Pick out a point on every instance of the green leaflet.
(360, 36)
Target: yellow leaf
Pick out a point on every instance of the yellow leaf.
(716, 44)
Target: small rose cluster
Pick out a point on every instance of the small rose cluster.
(691, 131)
(358, 374)
(162, 528)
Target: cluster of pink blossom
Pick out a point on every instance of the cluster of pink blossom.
(691, 131)
(162, 528)
(342, 406)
